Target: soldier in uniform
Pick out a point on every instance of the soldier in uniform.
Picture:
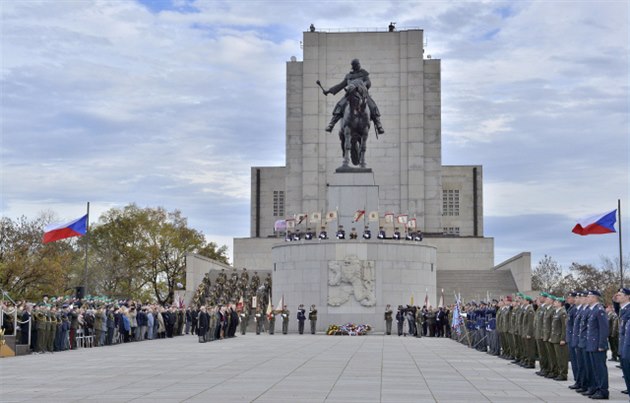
(538, 335)
(596, 346)
(571, 311)
(613, 337)
(353, 233)
(381, 233)
(285, 319)
(623, 298)
(309, 234)
(419, 321)
(341, 233)
(367, 234)
(547, 319)
(388, 319)
(529, 340)
(312, 317)
(259, 317)
(579, 341)
(271, 318)
(301, 317)
(323, 234)
(244, 319)
(558, 339)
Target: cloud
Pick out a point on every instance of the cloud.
(171, 102)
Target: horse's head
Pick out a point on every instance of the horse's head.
(357, 94)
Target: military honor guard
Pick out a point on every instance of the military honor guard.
(388, 319)
(623, 299)
(596, 347)
(312, 317)
(285, 320)
(301, 317)
(259, 318)
(323, 235)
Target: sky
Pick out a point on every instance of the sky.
(170, 102)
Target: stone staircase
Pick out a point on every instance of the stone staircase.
(474, 284)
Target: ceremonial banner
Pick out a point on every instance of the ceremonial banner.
(357, 215)
(411, 223)
(389, 218)
(597, 224)
(316, 217)
(402, 219)
(290, 223)
(301, 217)
(331, 216)
(373, 216)
(55, 232)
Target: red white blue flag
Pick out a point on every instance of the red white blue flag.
(55, 232)
(597, 224)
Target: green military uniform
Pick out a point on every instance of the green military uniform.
(244, 321)
(259, 317)
(528, 335)
(285, 321)
(613, 335)
(558, 340)
(419, 322)
(516, 332)
(538, 335)
(40, 325)
(549, 349)
(51, 329)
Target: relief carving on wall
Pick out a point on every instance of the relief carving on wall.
(351, 276)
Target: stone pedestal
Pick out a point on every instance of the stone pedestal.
(352, 281)
(351, 191)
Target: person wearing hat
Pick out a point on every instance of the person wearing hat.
(596, 346)
(312, 317)
(323, 234)
(527, 333)
(571, 311)
(285, 319)
(623, 299)
(613, 334)
(301, 317)
(388, 319)
(400, 319)
(538, 334)
(558, 339)
(579, 339)
(546, 334)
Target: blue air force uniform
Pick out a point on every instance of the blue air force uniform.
(596, 346)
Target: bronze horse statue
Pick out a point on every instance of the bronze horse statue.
(355, 126)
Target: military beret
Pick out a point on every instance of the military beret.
(553, 297)
(560, 299)
(530, 299)
(625, 291)
(544, 294)
(509, 298)
(594, 292)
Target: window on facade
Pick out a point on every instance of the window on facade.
(450, 202)
(451, 231)
(278, 203)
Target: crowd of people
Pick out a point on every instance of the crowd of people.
(418, 321)
(553, 331)
(65, 323)
(409, 234)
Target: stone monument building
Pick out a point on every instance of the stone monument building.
(353, 280)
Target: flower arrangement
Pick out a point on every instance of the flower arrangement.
(349, 329)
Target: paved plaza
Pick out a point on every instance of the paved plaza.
(281, 368)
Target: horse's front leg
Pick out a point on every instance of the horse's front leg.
(346, 146)
(364, 137)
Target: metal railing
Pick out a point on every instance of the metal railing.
(16, 322)
(368, 29)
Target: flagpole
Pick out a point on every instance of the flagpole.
(87, 241)
(620, 250)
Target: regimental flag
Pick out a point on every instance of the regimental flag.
(240, 304)
(280, 225)
(427, 302)
(281, 304)
(596, 224)
(316, 217)
(290, 223)
(458, 321)
(55, 232)
(301, 217)
(411, 300)
(389, 218)
(441, 303)
(402, 219)
(411, 223)
(331, 216)
(373, 216)
(269, 308)
(357, 215)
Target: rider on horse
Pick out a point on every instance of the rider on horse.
(356, 73)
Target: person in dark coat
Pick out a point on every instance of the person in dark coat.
(202, 324)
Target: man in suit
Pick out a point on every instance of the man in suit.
(202, 324)
(596, 346)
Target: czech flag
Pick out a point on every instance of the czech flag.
(55, 232)
(597, 224)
